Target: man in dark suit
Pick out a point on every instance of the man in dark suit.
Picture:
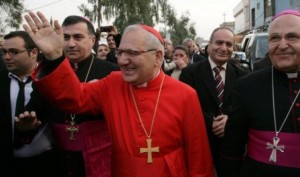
(23, 153)
(194, 56)
(201, 76)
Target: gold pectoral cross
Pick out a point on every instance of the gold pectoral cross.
(72, 129)
(149, 150)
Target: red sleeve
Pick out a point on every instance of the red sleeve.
(63, 89)
(196, 141)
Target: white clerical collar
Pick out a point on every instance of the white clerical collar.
(212, 64)
(146, 83)
(292, 75)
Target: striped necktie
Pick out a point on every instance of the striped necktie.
(219, 86)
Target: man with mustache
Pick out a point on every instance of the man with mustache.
(214, 95)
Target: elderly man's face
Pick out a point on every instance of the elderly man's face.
(284, 43)
(221, 46)
(137, 65)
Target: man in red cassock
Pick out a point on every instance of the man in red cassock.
(156, 123)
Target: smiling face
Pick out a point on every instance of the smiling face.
(221, 46)
(102, 51)
(284, 43)
(78, 42)
(140, 66)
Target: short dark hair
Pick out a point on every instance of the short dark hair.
(74, 19)
(218, 29)
(184, 48)
(109, 35)
(29, 44)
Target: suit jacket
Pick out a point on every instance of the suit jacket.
(6, 142)
(200, 77)
(198, 58)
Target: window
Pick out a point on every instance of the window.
(253, 17)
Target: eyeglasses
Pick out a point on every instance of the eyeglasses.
(13, 52)
(132, 53)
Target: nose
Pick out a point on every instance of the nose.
(6, 55)
(123, 59)
(283, 43)
(223, 46)
(71, 42)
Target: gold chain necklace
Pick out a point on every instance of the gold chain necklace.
(72, 128)
(149, 149)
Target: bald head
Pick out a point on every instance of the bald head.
(284, 41)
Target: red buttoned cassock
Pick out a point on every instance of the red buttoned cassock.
(178, 131)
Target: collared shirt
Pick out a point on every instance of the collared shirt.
(222, 72)
(14, 90)
(292, 75)
(146, 83)
(42, 141)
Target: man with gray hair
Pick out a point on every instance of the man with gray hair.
(149, 137)
(265, 110)
(194, 57)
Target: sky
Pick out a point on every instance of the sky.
(206, 14)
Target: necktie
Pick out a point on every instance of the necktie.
(219, 86)
(20, 108)
(20, 103)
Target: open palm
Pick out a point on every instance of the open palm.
(48, 39)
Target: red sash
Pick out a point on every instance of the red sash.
(94, 142)
(258, 142)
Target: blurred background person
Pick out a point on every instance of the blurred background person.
(168, 64)
(2, 67)
(102, 51)
(113, 41)
(190, 45)
(180, 59)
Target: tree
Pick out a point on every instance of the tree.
(124, 12)
(94, 13)
(178, 28)
(11, 14)
(149, 12)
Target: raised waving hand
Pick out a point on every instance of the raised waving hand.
(49, 39)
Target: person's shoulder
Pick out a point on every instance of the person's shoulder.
(3, 74)
(107, 65)
(197, 65)
(238, 69)
(180, 86)
(256, 77)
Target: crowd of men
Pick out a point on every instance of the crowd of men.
(138, 105)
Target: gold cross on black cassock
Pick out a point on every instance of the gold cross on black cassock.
(72, 129)
(149, 150)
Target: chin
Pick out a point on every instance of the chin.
(286, 67)
(128, 78)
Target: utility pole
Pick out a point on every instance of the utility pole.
(224, 15)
